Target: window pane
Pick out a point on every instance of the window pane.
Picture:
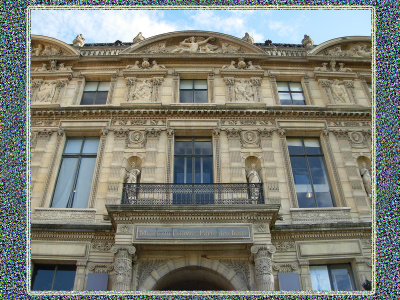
(186, 84)
(42, 278)
(104, 87)
(65, 182)
(84, 182)
(295, 87)
(300, 170)
(286, 102)
(183, 148)
(295, 146)
(101, 98)
(312, 146)
(324, 199)
(91, 145)
(203, 170)
(282, 86)
(88, 98)
(200, 97)
(317, 170)
(341, 278)
(73, 145)
(320, 278)
(299, 102)
(284, 96)
(204, 148)
(91, 86)
(186, 96)
(200, 84)
(65, 277)
(297, 96)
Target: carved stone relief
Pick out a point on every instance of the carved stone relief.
(320, 216)
(241, 268)
(43, 49)
(145, 65)
(338, 92)
(145, 90)
(351, 50)
(146, 266)
(250, 139)
(54, 67)
(332, 67)
(136, 139)
(241, 65)
(263, 267)
(284, 246)
(285, 267)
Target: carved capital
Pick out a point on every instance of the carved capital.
(217, 132)
(44, 133)
(170, 132)
(153, 133)
(116, 248)
(257, 248)
(265, 133)
(120, 133)
(233, 133)
(229, 81)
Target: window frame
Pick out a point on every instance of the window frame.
(339, 266)
(290, 92)
(96, 92)
(193, 89)
(324, 165)
(54, 267)
(79, 155)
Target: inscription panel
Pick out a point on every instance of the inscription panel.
(188, 233)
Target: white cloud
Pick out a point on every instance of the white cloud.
(283, 29)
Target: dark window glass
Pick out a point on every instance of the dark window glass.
(291, 93)
(193, 91)
(95, 93)
(53, 277)
(76, 172)
(332, 278)
(309, 173)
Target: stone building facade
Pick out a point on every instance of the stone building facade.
(196, 160)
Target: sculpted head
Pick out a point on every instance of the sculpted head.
(133, 165)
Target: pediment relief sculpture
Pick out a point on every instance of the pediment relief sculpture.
(352, 50)
(54, 67)
(39, 49)
(145, 65)
(332, 67)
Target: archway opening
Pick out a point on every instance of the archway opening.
(193, 279)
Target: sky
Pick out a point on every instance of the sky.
(107, 25)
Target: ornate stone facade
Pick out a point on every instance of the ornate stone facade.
(243, 223)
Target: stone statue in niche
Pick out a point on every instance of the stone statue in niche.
(253, 177)
(133, 174)
(46, 92)
(339, 92)
(366, 179)
(243, 91)
(143, 91)
(191, 45)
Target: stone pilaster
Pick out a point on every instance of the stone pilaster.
(305, 277)
(274, 87)
(263, 267)
(79, 284)
(230, 89)
(256, 83)
(157, 82)
(112, 88)
(211, 76)
(123, 260)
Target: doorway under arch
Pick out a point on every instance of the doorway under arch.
(193, 278)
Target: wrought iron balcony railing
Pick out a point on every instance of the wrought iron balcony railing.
(192, 193)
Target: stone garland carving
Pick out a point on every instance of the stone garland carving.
(241, 65)
(145, 65)
(123, 261)
(332, 68)
(284, 246)
(98, 167)
(45, 50)
(101, 246)
(285, 267)
(262, 267)
(51, 168)
(241, 268)
(146, 267)
(358, 50)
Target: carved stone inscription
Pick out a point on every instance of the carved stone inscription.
(208, 233)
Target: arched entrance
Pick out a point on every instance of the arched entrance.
(193, 279)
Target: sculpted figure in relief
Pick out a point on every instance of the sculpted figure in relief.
(46, 92)
(79, 41)
(323, 68)
(38, 50)
(248, 38)
(339, 92)
(157, 66)
(243, 91)
(134, 67)
(366, 178)
(307, 42)
(231, 66)
(133, 174)
(143, 91)
(42, 69)
(361, 50)
(190, 45)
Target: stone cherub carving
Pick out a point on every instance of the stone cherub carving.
(133, 174)
(366, 179)
(243, 91)
(79, 41)
(253, 177)
(191, 45)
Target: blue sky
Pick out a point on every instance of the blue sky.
(280, 26)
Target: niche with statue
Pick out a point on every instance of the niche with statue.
(364, 165)
(253, 171)
(133, 172)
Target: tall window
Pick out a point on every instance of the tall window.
(53, 277)
(76, 173)
(95, 93)
(193, 163)
(193, 91)
(291, 93)
(309, 172)
(332, 278)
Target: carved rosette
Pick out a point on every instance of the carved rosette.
(250, 138)
(123, 260)
(263, 267)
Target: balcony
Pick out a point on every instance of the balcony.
(192, 194)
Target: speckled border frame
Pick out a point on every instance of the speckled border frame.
(16, 157)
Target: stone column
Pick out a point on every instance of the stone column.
(263, 267)
(176, 87)
(326, 87)
(79, 284)
(81, 81)
(123, 260)
(306, 81)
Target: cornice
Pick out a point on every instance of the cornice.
(200, 111)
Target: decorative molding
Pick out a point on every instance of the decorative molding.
(170, 137)
(241, 267)
(285, 246)
(63, 215)
(102, 246)
(100, 267)
(320, 215)
(216, 134)
(146, 266)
